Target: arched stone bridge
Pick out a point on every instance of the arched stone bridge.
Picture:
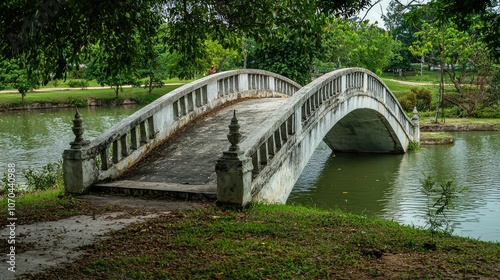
(352, 110)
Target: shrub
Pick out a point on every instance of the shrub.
(424, 98)
(83, 84)
(408, 102)
(47, 177)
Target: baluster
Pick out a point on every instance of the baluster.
(263, 153)
(284, 134)
(190, 102)
(124, 145)
(151, 126)
(144, 136)
(133, 139)
(116, 149)
(105, 159)
(291, 124)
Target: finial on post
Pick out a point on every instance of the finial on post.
(415, 114)
(234, 135)
(78, 130)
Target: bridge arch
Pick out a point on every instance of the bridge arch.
(351, 109)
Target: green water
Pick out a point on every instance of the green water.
(388, 186)
(31, 139)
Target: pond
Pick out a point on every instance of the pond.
(31, 139)
(388, 186)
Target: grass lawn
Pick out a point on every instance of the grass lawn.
(427, 121)
(275, 242)
(94, 83)
(78, 96)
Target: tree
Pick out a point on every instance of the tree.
(153, 69)
(51, 35)
(349, 44)
(13, 74)
(464, 59)
(99, 70)
(65, 29)
(467, 14)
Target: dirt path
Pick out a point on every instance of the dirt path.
(50, 244)
(412, 83)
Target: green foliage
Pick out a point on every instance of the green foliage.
(99, 69)
(351, 44)
(408, 102)
(418, 97)
(54, 36)
(285, 59)
(13, 74)
(83, 84)
(413, 146)
(439, 199)
(48, 176)
(466, 61)
(423, 97)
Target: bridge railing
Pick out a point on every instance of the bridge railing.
(123, 145)
(279, 131)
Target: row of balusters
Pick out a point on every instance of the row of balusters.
(269, 148)
(139, 135)
(120, 148)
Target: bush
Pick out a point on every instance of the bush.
(47, 177)
(424, 98)
(83, 84)
(408, 102)
(418, 97)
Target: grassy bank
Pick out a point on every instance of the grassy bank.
(80, 97)
(279, 242)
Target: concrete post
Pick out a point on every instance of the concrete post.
(234, 172)
(416, 125)
(79, 167)
(365, 82)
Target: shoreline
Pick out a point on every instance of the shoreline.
(90, 102)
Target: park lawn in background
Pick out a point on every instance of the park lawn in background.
(80, 96)
(94, 83)
(451, 121)
(426, 77)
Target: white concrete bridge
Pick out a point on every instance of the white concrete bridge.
(352, 110)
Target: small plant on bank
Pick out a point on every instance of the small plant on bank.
(49, 176)
(439, 200)
(413, 146)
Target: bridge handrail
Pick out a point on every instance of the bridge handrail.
(282, 126)
(110, 154)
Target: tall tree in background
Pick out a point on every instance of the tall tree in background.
(351, 44)
(466, 15)
(466, 61)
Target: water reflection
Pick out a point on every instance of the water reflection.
(388, 186)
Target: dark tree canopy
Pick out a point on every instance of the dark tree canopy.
(53, 36)
(466, 14)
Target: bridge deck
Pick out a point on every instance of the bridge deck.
(186, 163)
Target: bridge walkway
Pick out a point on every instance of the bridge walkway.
(184, 166)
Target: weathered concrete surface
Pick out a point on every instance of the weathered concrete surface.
(53, 243)
(186, 163)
